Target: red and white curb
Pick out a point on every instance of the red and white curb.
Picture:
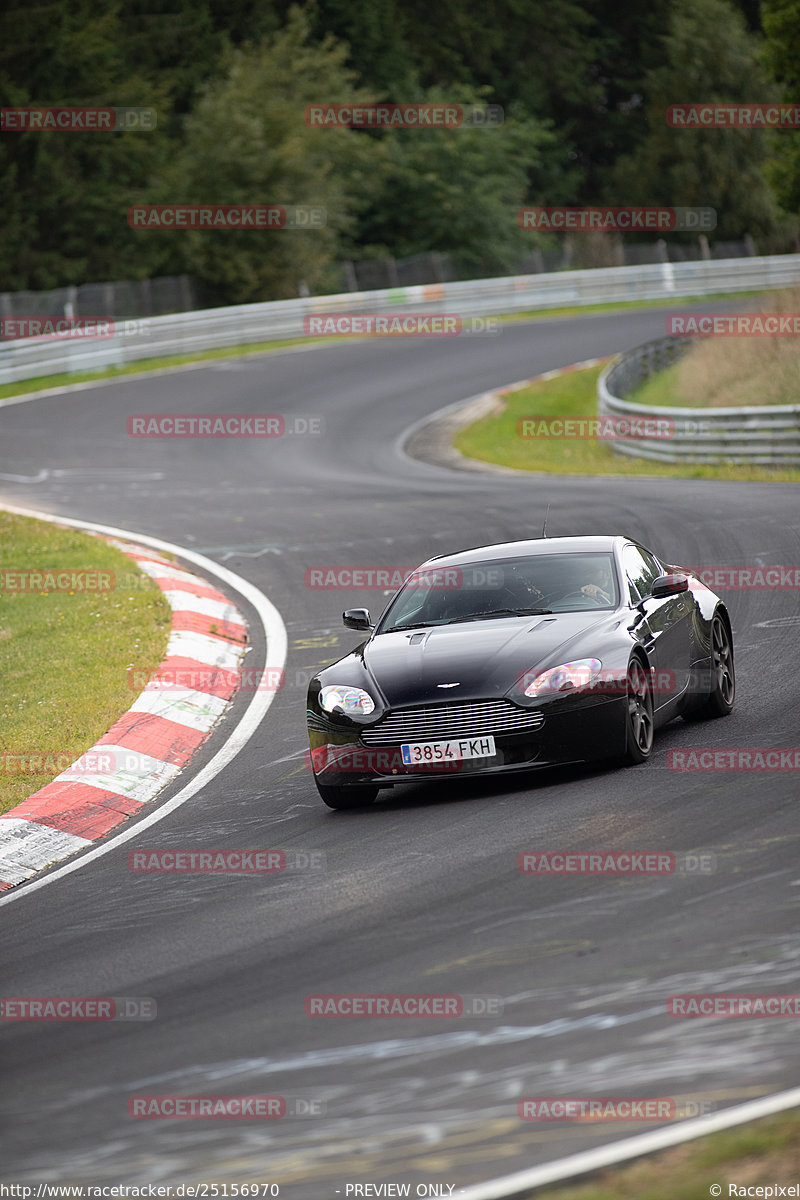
(578, 366)
(150, 744)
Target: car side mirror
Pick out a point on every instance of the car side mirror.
(669, 585)
(357, 618)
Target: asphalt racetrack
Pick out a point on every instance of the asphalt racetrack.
(421, 892)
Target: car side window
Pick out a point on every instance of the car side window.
(652, 562)
(639, 572)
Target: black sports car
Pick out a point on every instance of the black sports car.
(520, 655)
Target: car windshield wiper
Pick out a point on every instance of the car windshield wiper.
(413, 625)
(501, 612)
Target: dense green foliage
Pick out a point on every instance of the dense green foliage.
(782, 58)
(584, 85)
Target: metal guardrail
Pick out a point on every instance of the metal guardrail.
(189, 332)
(758, 436)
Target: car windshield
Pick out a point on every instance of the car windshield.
(543, 583)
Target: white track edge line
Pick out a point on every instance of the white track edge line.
(508, 1186)
(276, 638)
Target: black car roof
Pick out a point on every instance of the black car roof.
(504, 550)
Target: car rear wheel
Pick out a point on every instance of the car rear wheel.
(723, 678)
(638, 716)
(347, 797)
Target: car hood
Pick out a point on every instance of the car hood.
(484, 658)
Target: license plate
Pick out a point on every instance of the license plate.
(454, 750)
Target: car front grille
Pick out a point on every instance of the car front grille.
(444, 721)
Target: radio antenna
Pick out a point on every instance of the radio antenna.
(544, 523)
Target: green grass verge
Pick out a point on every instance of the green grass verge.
(42, 382)
(64, 656)
(494, 439)
(661, 388)
(766, 1152)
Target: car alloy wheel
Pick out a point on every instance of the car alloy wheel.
(639, 715)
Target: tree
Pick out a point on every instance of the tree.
(708, 57)
(782, 57)
(65, 194)
(456, 190)
(577, 65)
(247, 142)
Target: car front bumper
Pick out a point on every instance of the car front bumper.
(586, 731)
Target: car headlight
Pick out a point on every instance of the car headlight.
(349, 699)
(563, 678)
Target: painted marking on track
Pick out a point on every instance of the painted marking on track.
(313, 643)
(500, 956)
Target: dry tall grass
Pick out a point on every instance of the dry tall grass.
(721, 371)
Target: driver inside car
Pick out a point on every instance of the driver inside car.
(599, 587)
